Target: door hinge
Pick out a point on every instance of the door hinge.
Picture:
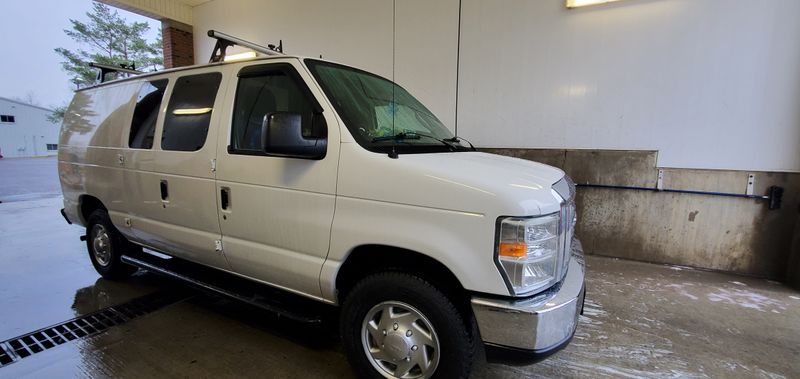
(218, 246)
(213, 165)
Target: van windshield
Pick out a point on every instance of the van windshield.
(380, 114)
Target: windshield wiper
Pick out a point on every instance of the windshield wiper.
(457, 139)
(414, 135)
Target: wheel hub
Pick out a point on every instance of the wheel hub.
(101, 245)
(396, 346)
(399, 341)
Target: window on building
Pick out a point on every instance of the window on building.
(52, 146)
(189, 112)
(143, 126)
(7, 118)
(263, 90)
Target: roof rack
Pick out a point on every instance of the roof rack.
(107, 69)
(225, 41)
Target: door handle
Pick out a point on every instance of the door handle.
(164, 191)
(225, 198)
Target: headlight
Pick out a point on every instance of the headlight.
(528, 251)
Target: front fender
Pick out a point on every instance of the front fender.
(461, 241)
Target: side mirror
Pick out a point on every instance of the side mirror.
(283, 134)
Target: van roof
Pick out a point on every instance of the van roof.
(187, 68)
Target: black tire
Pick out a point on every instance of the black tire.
(108, 265)
(457, 345)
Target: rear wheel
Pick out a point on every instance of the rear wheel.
(396, 325)
(106, 246)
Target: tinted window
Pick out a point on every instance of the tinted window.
(143, 126)
(189, 112)
(263, 90)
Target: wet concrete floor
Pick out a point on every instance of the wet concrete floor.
(641, 320)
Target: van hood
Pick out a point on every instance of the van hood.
(474, 182)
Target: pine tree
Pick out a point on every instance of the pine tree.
(109, 39)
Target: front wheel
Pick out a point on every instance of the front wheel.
(396, 325)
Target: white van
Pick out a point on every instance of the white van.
(336, 185)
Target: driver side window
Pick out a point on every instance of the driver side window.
(263, 90)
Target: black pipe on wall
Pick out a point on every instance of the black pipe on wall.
(774, 196)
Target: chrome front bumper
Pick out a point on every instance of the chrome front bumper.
(541, 324)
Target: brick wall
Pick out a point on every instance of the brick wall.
(178, 47)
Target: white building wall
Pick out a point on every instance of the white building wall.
(29, 134)
(353, 32)
(709, 84)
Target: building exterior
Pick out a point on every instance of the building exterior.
(25, 130)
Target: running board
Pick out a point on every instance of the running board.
(282, 303)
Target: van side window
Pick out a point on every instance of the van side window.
(143, 126)
(263, 90)
(189, 112)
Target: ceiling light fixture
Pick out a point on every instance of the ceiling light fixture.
(583, 3)
(240, 56)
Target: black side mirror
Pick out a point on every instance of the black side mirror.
(283, 134)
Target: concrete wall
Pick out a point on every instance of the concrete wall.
(793, 271)
(29, 135)
(720, 233)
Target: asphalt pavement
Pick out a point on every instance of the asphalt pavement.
(28, 178)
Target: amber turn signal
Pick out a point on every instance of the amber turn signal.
(514, 250)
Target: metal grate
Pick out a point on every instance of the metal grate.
(16, 348)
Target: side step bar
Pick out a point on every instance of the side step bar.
(282, 303)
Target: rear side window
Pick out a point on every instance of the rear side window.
(143, 126)
(263, 90)
(189, 112)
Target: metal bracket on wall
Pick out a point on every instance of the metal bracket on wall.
(751, 179)
(660, 182)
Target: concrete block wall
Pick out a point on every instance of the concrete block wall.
(711, 232)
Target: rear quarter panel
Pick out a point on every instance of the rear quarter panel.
(92, 137)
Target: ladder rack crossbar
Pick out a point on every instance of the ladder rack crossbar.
(224, 41)
(107, 69)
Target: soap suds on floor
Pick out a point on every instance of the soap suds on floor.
(745, 299)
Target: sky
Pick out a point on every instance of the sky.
(30, 30)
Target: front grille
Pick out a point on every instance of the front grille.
(565, 188)
(568, 219)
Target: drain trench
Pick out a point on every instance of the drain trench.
(23, 346)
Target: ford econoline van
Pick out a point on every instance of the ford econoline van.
(335, 185)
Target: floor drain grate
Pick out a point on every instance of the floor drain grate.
(26, 345)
